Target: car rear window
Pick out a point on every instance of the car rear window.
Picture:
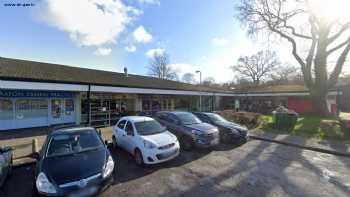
(70, 143)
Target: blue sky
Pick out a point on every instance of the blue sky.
(111, 34)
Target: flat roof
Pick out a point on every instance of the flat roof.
(24, 70)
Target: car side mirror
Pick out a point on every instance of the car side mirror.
(36, 156)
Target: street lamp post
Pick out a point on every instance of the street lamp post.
(200, 95)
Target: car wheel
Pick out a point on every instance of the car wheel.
(114, 142)
(186, 142)
(138, 157)
(224, 137)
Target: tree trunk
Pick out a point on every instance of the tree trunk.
(319, 104)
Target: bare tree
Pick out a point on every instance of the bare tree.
(159, 67)
(317, 42)
(189, 78)
(209, 81)
(284, 74)
(258, 66)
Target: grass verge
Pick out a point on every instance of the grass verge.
(310, 127)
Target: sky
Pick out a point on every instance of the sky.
(113, 34)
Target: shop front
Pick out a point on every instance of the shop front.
(26, 108)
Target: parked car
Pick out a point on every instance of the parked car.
(190, 130)
(229, 131)
(5, 163)
(146, 139)
(73, 162)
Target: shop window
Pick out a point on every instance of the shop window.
(146, 105)
(56, 108)
(69, 106)
(6, 109)
(31, 108)
(156, 105)
(169, 105)
(39, 108)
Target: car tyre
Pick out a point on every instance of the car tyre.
(138, 157)
(114, 142)
(186, 142)
(224, 138)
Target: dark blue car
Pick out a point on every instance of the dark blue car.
(73, 162)
(230, 132)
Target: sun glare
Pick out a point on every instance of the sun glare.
(331, 10)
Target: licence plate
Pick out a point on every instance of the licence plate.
(84, 192)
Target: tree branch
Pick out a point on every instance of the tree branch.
(341, 45)
(345, 27)
(338, 68)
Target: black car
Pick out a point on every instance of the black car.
(229, 131)
(73, 162)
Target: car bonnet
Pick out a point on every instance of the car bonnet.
(64, 169)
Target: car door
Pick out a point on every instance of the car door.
(129, 138)
(174, 125)
(120, 133)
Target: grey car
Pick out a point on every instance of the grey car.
(5, 163)
(190, 131)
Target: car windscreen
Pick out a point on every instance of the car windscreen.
(149, 127)
(71, 143)
(216, 117)
(188, 118)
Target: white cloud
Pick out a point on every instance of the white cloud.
(150, 53)
(150, 2)
(89, 22)
(220, 42)
(130, 48)
(103, 51)
(141, 35)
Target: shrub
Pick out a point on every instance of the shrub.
(249, 119)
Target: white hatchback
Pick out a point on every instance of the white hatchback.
(146, 139)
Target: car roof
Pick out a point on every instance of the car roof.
(180, 112)
(134, 119)
(71, 130)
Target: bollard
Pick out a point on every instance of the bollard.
(35, 145)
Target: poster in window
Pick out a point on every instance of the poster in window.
(56, 108)
(69, 106)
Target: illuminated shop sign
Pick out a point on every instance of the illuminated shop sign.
(35, 94)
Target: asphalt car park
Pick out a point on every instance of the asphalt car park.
(256, 168)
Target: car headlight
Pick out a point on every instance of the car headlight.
(44, 185)
(235, 131)
(196, 132)
(149, 144)
(109, 167)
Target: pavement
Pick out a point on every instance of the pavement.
(341, 147)
(257, 168)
